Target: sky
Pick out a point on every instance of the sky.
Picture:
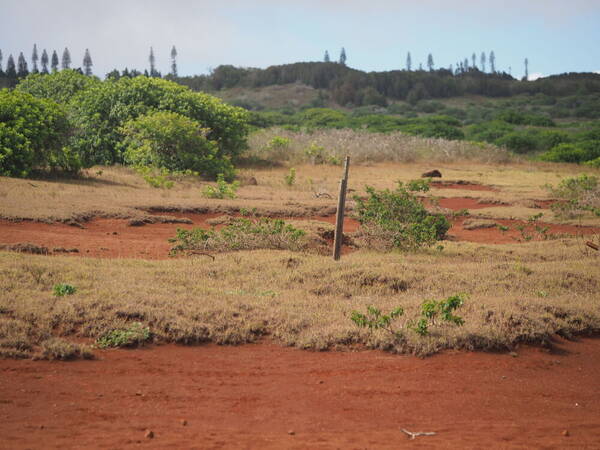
(556, 36)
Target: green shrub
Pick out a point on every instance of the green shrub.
(398, 219)
(59, 86)
(222, 189)
(572, 153)
(63, 289)
(134, 335)
(169, 140)
(33, 133)
(433, 313)
(100, 112)
(241, 234)
(578, 194)
(290, 178)
(518, 142)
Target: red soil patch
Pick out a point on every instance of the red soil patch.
(458, 203)
(114, 238)
(266, 396)
(513, 235)
(463, 186)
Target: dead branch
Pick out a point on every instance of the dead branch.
(322, 195)
(592, 245)
(414, 434)
(194, 252)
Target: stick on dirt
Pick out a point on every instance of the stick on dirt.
(414, 434)
(592, 245)
(339, 219)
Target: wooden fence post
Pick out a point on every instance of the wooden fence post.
(339, 218)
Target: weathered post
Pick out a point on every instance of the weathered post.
(339, 218)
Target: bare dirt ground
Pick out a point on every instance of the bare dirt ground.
(267, 396)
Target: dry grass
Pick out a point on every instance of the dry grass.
(518, 293)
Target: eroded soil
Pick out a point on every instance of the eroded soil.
(266, 396)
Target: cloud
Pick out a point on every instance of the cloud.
(535, 76)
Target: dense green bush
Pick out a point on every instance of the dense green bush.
(521, 118)
(59, 86)
(323, 118)
(398, 219)
(100, 112)
(518, 142)
(32, 135)
(169, 140)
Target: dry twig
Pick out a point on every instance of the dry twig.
(414, 434)
(592, 245)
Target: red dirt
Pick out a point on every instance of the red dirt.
(458, 203)
(463, 186)
(496, 236)
(266, 396)
(114, 238)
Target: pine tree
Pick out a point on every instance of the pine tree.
(66, 59)
(483, 61)
(343, 57)
(451, 69)
(54, 62)
(87, 63)
(492, 62)
(152, 61)
(11, 70)
(34, 59)
(174, 61)
(466, 64)
(430, 62)
(1, 72)
(22, 69)
(420, 67)
(408, 62)
(326, 58)
(44, 62)
(526, 69)
(474, 59)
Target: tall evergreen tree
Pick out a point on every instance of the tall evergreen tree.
(66, 59)
(466, 64)
(174, 61)
(526, 69)
(483, 61)
(451, 69)
(11, 69)
(1, 72)
(420, 67)
(34, 59)
(87, 63)
(474, 60)
(54, 61)
(343, 57)
(326, 58)
(408, 62)
(430, 62)
(492, 62)
(45, 61)
(152, 62)
(22, 69)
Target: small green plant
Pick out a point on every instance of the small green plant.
(316, 153)
(134, 335)
(461, 213)
(62, 289)
(279, 143)
(502, 228)
(223, 189)
(432, 312)
(422, 185)
(157, 178)
(290, 178)
(374, 320)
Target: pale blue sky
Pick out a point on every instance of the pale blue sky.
(556, 35)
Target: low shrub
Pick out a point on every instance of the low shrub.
(398, 219)
(62, 289)
(241, 234)
(134, 335)
(578, 195)
(223, 189)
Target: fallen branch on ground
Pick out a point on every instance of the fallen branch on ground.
(414, 434)
(592, 245)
